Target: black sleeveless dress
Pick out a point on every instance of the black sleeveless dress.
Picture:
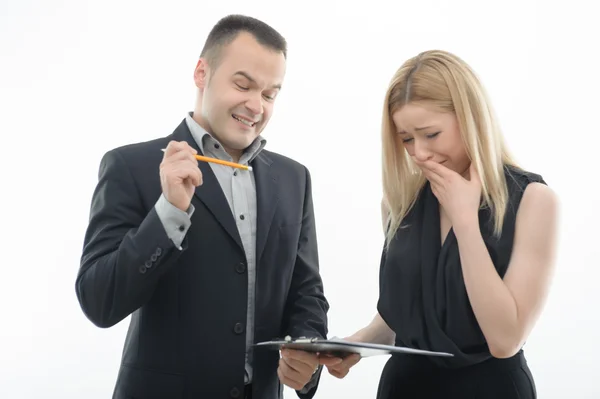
(424, 300)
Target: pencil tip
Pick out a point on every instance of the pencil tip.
(250, 168)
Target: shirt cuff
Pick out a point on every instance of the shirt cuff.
(175, 222)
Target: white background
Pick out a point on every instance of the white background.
(79, 77)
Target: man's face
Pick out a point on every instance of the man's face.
(237, 97)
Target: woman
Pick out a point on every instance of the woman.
(470, 241)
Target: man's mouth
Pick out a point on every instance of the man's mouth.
(245, 121)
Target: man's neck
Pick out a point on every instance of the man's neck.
(235, 154)
(198, 119)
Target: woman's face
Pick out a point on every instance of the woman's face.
(429, 135)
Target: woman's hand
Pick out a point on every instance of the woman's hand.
(459, 197)
(341, 369)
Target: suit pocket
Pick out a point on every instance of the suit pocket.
(139, 383)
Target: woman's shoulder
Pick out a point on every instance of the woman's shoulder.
(517, 178)
(527, 189)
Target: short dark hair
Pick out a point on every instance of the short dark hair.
(228, 28)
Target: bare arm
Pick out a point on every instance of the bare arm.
(377, 332)
(508, 309)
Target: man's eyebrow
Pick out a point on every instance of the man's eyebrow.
(252, 80)
(246, 75)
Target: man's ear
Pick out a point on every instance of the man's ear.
(201, 73)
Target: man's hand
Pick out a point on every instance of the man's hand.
(179, 174)
(296, 368)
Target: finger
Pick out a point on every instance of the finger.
(287, 381)
(198, 181)
(343, 368)
(330, 360)
(288, 375)
(195, 176)
(193, 181)
(299, 366)
(439, 169)
(473, 174)
(178, 146)
(186, 153)
(182, 172)
(433, 169)
(288, 370)
(351, 360)
(173, 147)
(348, 362)
(435, 189)
(433, 177)
(338, 373)
(181, 169)
(309, 358)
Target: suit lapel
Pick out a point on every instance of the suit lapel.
(266, 198)
(210, 192)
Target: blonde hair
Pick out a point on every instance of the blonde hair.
(443, 82)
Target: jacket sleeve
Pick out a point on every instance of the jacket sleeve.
(126, 248)
(307, 307)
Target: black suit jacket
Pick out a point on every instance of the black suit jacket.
(186, 336)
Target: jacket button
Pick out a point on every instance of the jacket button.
(143, 269)
(240, 268)
(238, 328)
(234, 393)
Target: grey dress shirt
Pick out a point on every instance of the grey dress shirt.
(240, 190)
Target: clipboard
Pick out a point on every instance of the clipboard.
(341, 348)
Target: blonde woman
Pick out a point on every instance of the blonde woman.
(470, 241)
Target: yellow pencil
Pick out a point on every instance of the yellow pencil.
(220, 162)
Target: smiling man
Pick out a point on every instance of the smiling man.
(209, 259)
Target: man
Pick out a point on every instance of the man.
(209, 259)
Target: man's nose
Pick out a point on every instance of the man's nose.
(255, 104)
